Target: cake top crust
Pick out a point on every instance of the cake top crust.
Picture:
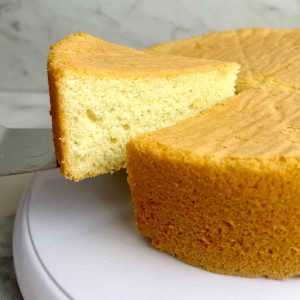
(254, 123)
(84, 53)
(269, 57)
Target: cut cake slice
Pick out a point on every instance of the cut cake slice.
(270, 58)
(222, 190)
(104, 94)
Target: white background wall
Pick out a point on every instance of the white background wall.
(27, 27)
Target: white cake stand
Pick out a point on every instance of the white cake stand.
(78, 241)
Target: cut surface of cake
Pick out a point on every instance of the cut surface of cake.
(222, 190)
(103, 94)
(270, 58)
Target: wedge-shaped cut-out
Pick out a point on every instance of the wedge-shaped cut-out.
(104, 94)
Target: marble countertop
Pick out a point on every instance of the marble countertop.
(17, 110)
(28, 27)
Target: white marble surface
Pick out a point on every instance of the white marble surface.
(17, 110)
(27, 27)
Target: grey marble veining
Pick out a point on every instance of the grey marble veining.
(24, 110)
(27, 27)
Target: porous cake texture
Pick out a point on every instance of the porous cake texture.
(270, 58)
(222, 191)
(104, 94)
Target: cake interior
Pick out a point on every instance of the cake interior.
(101, 114)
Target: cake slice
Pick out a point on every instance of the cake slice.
(104, 94)
(270, 58)
(222, 191)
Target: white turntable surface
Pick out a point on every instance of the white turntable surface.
(78, 241)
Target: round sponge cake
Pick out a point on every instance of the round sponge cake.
(222, 190)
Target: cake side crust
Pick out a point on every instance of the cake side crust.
(233, 216)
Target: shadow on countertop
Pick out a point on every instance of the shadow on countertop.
(9, 289)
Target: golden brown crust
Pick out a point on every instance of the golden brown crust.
(269, 57)
(86, 54)
(239, 216)
(221, 191)
(254, 123)
(57, 123)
